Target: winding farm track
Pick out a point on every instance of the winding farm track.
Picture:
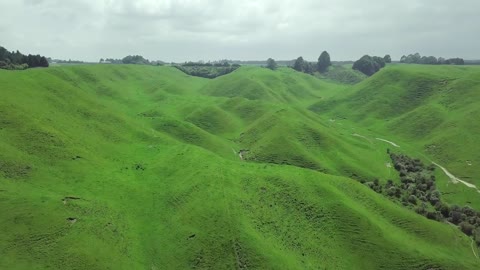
(455, 179)
(452, 177)
(473, 249)
(392, 143)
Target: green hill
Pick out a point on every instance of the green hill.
(138, 167)
(430, 110)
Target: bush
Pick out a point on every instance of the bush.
(455, 217)
(467, 228)
(412, 199)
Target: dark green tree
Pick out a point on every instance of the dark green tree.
(379, 60)
(387, 58)
(323, 62)
(308, 67)
(135, 59)
(369, 65)
(271, 64)
(299, 64)
(43, 62)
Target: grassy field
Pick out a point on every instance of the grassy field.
(138, 167)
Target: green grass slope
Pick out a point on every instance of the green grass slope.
(431, 109)
(342, 73)
(131, 167)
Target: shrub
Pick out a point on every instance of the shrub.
(467, 228)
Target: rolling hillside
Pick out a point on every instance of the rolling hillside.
(430, 110)
(138, 167)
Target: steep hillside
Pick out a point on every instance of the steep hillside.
(137, 167)
(431, 110)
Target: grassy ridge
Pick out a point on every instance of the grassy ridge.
(140, 158)
(429, 110)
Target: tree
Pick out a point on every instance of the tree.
(415, 58)
(271, 64)
(379, 60)
(387, 58)
(467, 228)
(369, 65)
(323, 62)
(299, 64)
(43, 62)
(308, 67)
(455, 61)
(135, 59)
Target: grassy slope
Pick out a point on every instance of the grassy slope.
(149, 152)
(430, 110)
(342, 74)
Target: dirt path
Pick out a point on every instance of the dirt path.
(452, 177)
(392, 143)
(455, 179)
(473, 249)
(361, 136)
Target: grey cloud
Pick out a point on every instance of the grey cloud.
(212, 29)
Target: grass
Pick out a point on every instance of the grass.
(342, 74)
(428, 109)
(151, 153)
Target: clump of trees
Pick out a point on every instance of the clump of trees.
(18, 61)
(208, 70)
(131, 59)
(307, 67)
(417, 191)
(430, 60)
(271, 64)
(135, 59)
(369, 65)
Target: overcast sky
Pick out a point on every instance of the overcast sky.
(179, 30)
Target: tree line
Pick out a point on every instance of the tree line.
(18, 61)
(417, 191)
(430, 60)
(131, 59)
(304, 66)
(368, 65)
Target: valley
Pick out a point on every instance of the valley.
(132, 167)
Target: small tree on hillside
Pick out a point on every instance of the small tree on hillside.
(323, 62)
(299, 64)
(271, 64)
(387, 58)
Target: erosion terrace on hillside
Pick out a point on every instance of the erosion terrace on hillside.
(146, 167)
